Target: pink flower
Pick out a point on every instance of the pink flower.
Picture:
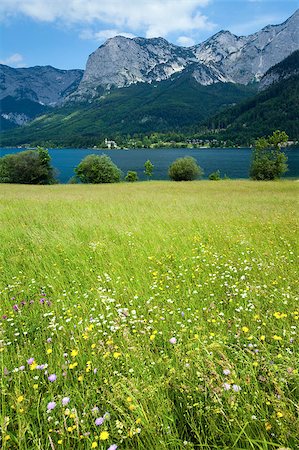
(173, 340)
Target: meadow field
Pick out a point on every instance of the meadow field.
(151, 316)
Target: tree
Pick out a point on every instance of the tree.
(185, 169)
(268, 161)
(28, 167)
(149, 167)
(131, 176)
(98, 169)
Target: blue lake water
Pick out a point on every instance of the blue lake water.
(230, 161)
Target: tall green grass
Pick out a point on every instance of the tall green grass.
(170, 310)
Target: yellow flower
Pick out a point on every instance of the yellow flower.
(20, 399)
(94, 445)
(73, 365)
(7, 437)
(49, 351)
(268, 426)
(80, 378)
(152, 337)
(59, 442)
(132, 407)
(104, 435)
(35, 386)
(279, 414)
(262, 338)
(116, 355)
(74, 353)
(277, 338)
(245, 329)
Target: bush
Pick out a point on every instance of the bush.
(28, 167)
(268, 161)
(131, 176)
(184, 169)
(98, 169)
(215, 176)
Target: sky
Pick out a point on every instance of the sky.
(62, 33)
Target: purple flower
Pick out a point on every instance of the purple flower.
(15, 307)
(236, 388)
(52, 377)
(22, 368)
(51, 405)
(65, 401)
(226, 386)
(49, 340)
(173, 340)
(95, 409)
(4, 317)
(112, 447)
(99, 421)
(30, 361)
(42, 300)
(226, 372)
(23, 303)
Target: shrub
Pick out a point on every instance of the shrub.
(98, 169)
(131, 176)
(28, 167)
(215, 176)
(268, 161)
(184, 169)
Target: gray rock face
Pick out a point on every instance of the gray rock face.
(287, 68)
(224, 57)
(45, 85)
(247, 59)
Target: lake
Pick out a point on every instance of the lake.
(230, 161)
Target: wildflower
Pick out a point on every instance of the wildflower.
(277, 338)
(30, 361)
(99, 421)
(15, 307)
(112, 447)
(74, 353)
(279, 414)
(65, 401)
(226, 386)
(245, 329)
(173, 340)
(94, 444)
(52, 377)
(116, 355)
(51, 405)
(49, 351)
(80, 378)
(236, 388)
(20, 399)
(104, 435)
(226, 372)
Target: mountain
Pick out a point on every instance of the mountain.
(287, 68)
(274, 107)
(139, 108)
(224, 57)
(27, 92)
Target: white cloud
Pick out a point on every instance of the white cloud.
(151, 17)
(103, 34)
(185, 41)
(15, 60)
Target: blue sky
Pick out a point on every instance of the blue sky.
(62, 33)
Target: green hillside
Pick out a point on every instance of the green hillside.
(275, 108)
(141, 108)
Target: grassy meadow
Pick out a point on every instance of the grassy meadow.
(153, 315)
